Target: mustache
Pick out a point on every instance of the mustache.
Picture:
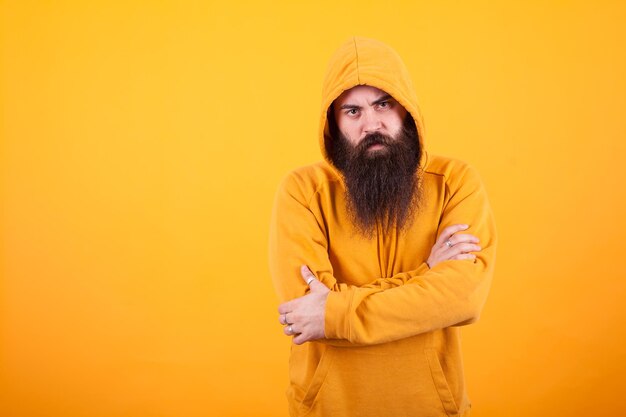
(373, 139)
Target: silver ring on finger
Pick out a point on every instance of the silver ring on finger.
(290, 329)
(449, 243)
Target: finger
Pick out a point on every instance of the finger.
(300, 339)
(463, 238)
(464, 256)
(287, 307)
(283, 319)
(311, 280)
(462, 248)
(449, 231)
(290, 330)
(289, 320)
(307, 275)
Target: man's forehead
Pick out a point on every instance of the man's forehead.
(361, 92)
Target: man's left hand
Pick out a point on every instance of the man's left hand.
(304, 317)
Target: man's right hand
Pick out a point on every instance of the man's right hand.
(450, 245)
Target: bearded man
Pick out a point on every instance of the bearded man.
(375, 255)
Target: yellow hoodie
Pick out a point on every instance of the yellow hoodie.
(392, 344)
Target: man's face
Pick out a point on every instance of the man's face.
(363, 110)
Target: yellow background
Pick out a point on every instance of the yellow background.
(142, 143)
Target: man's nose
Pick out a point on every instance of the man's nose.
(371, 123)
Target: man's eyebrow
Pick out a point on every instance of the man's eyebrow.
(349, 106)
(377, 101)
(381, 99)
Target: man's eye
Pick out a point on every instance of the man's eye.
(352, 111)
(383, 104)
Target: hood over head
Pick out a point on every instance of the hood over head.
(363, 61)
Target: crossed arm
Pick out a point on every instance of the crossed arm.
(304, 317)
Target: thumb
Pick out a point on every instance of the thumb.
(308, 276)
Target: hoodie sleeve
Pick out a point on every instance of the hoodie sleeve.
(409, 303)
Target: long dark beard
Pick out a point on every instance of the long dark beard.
(382, 185)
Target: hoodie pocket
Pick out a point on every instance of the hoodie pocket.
(381, 380)
(441, 384)
(318, 379)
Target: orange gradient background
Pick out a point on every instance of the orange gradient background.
(142, 143)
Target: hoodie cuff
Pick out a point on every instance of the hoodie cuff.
(422, 269)
(336, 318)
